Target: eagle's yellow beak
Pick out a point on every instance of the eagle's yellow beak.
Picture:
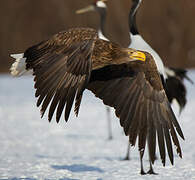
(138, 55)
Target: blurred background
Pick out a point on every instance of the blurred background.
(167, 25)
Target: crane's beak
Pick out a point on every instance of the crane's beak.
(86, 9)
(138, 55)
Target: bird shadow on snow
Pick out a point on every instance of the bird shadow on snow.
(77, 168)
(36, 179)
(20, 179)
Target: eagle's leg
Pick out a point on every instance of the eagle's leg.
(151, 171)
(141, 162)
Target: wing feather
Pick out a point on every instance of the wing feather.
(62, 102)
(127, 115)
(151, 133)
(169, 144)
(134, 123)
(54, 104)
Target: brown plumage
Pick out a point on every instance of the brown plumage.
(126, 79)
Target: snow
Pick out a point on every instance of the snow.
(33, 149)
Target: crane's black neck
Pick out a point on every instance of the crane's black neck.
(102, 12)
(132, 17)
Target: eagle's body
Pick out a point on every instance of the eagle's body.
(126, 79)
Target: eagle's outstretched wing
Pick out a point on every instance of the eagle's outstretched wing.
(143, 110)
(62, 67)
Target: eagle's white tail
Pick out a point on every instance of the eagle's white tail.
(18, 68)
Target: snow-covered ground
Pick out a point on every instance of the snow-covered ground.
(33, 149)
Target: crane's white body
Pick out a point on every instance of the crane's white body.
(137, 42)
(101, 36)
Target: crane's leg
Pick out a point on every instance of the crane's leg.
(127, 157)
(109, 123)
